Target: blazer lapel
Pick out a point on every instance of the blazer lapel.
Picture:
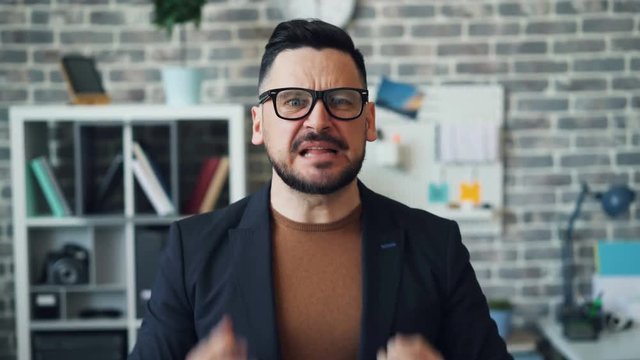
(382, 248)
(251, 305)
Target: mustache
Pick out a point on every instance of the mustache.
(314, 136)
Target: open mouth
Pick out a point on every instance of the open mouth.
(317, 150)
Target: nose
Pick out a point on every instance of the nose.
(319, 118)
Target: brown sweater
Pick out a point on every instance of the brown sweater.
(318, 287)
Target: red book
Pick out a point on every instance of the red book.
(207, 170)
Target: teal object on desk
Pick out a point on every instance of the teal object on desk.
(618, 257)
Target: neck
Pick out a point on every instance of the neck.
(313, 209)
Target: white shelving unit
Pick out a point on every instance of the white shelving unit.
(110, 237)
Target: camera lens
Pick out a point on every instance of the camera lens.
(65, 271)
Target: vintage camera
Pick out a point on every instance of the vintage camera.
(67, 266)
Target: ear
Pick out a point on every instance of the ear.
(370, 124)
(257, 137)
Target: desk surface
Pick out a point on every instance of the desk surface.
(623, 345)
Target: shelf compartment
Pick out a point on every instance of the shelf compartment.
(149, 244)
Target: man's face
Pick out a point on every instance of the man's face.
(317, 154)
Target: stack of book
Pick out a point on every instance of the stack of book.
(149, 180)
(50, 187)
(211, 179)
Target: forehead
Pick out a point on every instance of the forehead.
(313, 68)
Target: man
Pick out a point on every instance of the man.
(315, 265)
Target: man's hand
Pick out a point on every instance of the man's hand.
(408, 347)
(221, 344)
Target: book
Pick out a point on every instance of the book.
(215, 186)
(108, 182)
(207, 170)
(155, 193)
(50, 187)
(146, 183)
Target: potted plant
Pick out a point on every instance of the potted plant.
(500, 311)
(181, 84)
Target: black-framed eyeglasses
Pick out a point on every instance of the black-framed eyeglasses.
(295, 103)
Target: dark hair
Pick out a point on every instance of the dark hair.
(294, 34)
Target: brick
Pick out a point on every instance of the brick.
(422, 69)
(210, 35)
(541, 290)
(551, 27)
(601, 178)
(143, 37)
(528, 161)
(12, 17)
(552, 104)
(581, 84)
(578, 46)
(582, 123)
(626, 44)
(543, 142)
(86, 37)
(603, 64)
(622, 6)
(13, 56)
(378, 69)
(493, 29)
(364, 12)
(228, 53)
(399, 50)
(248, 91)
(134, 75)
(540, 66)
(635, 64)
(581, 160)
(107, 18)
(467, 11)
(254, 32)
(128, 94)
(601, 103)
(530, 198)
(23, 76)
(386, 31)
(546, 180)
(436, 30)
(50, 95)
(626, 83)
(628, 158)
(602, 25)
(628, 232)
(485, 67)
(529, 272)
(84, 2)
(635, 102)
(524, 47)
(408, 11)
(513, 86)
(13, 95)
(599, 141)
(527, 123)
(542, 254)
(524, 8)
(498, 291)
(580, 7)
(119, 56)
(27, 37)
(463, 49)
(232, 15)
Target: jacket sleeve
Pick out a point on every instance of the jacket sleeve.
(468, 331)
(167, 330)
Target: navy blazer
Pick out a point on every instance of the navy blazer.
(417, 279)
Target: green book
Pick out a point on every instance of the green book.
(39, 167)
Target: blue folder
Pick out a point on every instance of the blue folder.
(618, 257)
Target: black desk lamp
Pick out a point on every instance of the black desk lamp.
(577, 323)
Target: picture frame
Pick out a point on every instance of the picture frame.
(83, 80)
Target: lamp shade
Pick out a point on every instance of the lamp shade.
(616, 200)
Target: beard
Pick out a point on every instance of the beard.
(326, 185)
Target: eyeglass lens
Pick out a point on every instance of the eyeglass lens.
(297, 103)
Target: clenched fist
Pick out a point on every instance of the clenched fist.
(408, 347)
(221, 344)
